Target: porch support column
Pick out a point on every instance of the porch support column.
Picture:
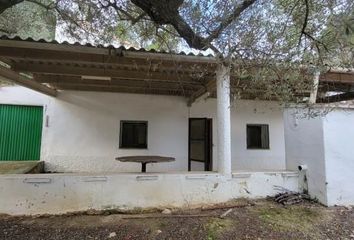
(223, 120)
(313, 94)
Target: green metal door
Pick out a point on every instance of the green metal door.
(20, 132)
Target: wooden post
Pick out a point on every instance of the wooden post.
(15, 77)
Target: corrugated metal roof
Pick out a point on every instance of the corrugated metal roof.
(132, 49)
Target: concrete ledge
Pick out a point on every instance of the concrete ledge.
(290, 174)
(59, 193)
(241, 175)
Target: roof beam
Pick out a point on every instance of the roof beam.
(68, 85)
(65, 56)
(209, 87)
(57, 79)
(106, 72)
(126, 90)
(340, 77)
(128, 84)
(6, 61)
(17, 78)
(337, 87)
(337, 98)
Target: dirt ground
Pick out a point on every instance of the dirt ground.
(260, 219)
(20, 167)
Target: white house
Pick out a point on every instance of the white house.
(87, 105)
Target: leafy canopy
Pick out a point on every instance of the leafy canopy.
(267, 41)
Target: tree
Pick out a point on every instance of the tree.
(264, 41)
(34, 21)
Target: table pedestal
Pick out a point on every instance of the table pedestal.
(143, 167)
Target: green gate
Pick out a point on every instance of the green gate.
(20, 132)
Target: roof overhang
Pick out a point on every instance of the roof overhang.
(64, 66)
(54, 67)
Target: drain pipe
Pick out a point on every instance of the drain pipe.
(303, 184)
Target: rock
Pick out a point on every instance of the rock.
(158, 231)
(226, 213)
(93, 212)
(166, 211)
(112, 235)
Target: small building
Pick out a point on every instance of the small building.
(81, 106)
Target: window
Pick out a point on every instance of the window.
(133, 134)
(257, 136)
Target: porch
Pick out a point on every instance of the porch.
(83, 119)
(81, 131)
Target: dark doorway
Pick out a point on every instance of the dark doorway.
(200, 149)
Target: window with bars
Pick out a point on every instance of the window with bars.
(133, 134)
(257, 136)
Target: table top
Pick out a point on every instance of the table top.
(145, 159)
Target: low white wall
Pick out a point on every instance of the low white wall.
(305, 145)
(339, 152)
(60, 193)
(82, 134)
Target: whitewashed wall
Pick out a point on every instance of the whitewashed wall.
(243, 113)
(60, 193)
(339, 151)
(83, 130)
(305, 145)
(326, 146)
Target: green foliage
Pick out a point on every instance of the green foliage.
(268, 45)
(146, 35)
(28, 19)
(215, 226)
(291, 218)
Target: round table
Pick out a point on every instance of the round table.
(145, 160)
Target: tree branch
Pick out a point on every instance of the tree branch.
(304, 25)
(119, 9)
(45, 6)
(228, 20)
(166, 12)
(5, 31)
(308, 35)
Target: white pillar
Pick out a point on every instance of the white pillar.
(313, 94)
(223, 120)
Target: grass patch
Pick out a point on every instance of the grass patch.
(215, 226)
(292, 218)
